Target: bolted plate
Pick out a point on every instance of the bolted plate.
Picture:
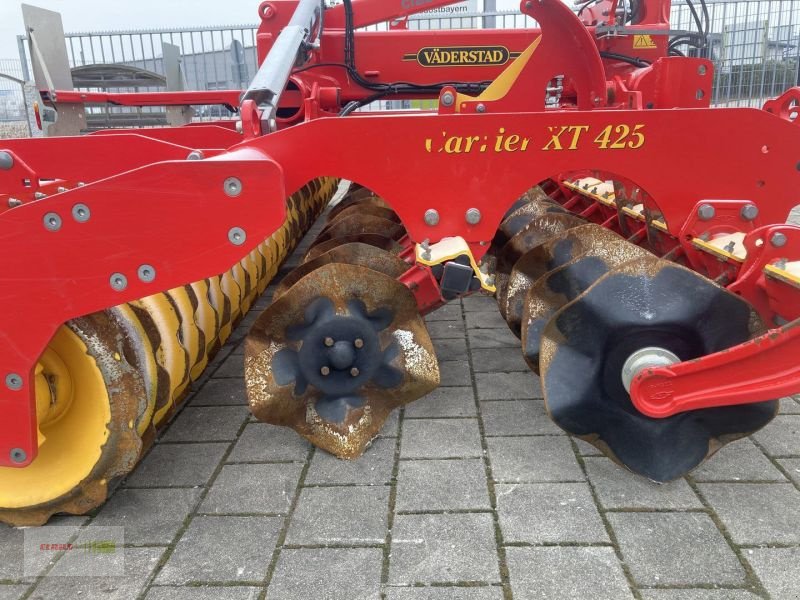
(645, 303)
(334, 355)
(354, 253)
(373, 239)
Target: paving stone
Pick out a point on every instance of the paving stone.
(757, 513)
(507, 386)
(428, 485)
(698, 594)
(549, 513)
(777, 568)
(203, 593)
(149, 516)
(13, 592)
(221, 549)
(498, 360)
(327, 573)
(12, 557)
(585, 448)
(675, 549)
(450, 349)
(221, 392)
(138, 564)
(445, 593)
(448, 312)
(489, 319)
(391, 428)
(253, 489)
(792, 466)
(789, 406)
(455, 372)
(492, 338)
(479, 302)
(373, 468)
(177, 465)
(442, 330)
(261, 442)
(741, 460)
(533, 459)
(440, 438)
(352, 515)
(444, 402)
(443, 548)
(566, 573)
(517, 417)
(781, 437)
(207, 424)
(233, 367)
(619, 488)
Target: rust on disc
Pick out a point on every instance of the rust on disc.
(373, 239)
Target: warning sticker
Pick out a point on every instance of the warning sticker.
(643, 41)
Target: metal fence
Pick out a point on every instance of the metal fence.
(755, 45)
(12, 99)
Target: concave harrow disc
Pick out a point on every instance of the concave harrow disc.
(523, 211)
(360, 224)
(645, 304)
(373, 239)
(335, 354)
(355, 253)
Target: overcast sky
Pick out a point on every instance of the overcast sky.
(97, 15)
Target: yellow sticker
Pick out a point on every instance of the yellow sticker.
(643, 41)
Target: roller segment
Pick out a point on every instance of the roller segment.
(638, 315)
(191, 336)
(335, 354)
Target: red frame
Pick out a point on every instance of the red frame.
(150, 204)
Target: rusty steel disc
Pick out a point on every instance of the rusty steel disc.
(358, 224)
(334, 355)
(363, 210)
(361, 197)
(645, 304)
(522, 214)
(536, 232)
(572, 246)
(354, 253)
(373, 239)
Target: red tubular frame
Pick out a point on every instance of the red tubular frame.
(151, 205)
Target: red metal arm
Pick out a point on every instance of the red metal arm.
(764, 368)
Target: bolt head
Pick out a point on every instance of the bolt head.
(778, 240)
(473, 216)
(329, 342)
(706, 212)
(195, 155)
(118, 282)
(13, 382)
(13, 203)
(481, 108)
(232, 186)
(325, 371)
(448, 99)
(354, 372)
(6, 161)
(431, 217)
(237, 236)
(81, 213)
(146, 273)
(52, 221)
(749, 212)
(358, 343)
(18, 455)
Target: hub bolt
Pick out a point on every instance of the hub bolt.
(473, 216)
(448, 98)
(325, 371)
(354, 372)
(329, 342)
(359, 343)
(646, 358)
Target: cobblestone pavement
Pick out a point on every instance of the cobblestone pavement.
(468, 494)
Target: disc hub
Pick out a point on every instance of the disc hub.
(646, 358)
